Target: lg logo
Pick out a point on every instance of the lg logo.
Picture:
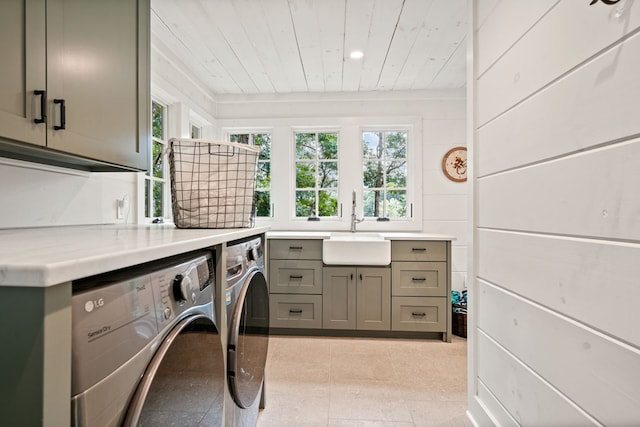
(89, 306)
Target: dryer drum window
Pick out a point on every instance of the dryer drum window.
(249, 340)
(184, 383)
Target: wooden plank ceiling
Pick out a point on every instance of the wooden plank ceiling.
(286, 46)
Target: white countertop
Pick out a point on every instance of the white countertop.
(42, 257)
(389, 235)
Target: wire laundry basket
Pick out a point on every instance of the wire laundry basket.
(212, 183)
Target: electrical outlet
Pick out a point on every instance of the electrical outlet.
(120, 208)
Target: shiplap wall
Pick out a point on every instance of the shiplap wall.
(556, 242)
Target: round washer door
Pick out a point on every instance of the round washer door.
(248, 340)
(184, 383)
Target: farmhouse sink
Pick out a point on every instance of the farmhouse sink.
(356, 249)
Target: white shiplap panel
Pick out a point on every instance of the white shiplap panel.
(383, 23)
(592, 194)
(450, 75)
(331, 19)
(499, 415)
(483, 10)
(186, 52)
(599, 102)
(206, 42)
(586, 280)
(307, 27)
(530, 400)
(505, 25)
(598, 374)
(357, 28)
(440, 35)
(252, 16)
(278, 17)
(546, 52)
(406, 33)
(222, 16)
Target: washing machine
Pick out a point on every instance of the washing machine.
(146, 348)
(247, 309)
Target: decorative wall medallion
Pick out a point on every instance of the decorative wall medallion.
(454, 164)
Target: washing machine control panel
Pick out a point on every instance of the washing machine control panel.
(182, 288)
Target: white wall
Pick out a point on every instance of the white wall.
(556, 241)
(441, 121)
(36, 195)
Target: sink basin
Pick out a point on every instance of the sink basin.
(356, 249)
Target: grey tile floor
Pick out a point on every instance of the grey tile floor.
(321, 381)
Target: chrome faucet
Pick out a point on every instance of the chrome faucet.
(354, 218)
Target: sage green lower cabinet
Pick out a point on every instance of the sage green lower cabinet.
(295, 311)
(412, 295)
(356, 298)
(419, 314)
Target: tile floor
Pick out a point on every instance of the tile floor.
(320, 381)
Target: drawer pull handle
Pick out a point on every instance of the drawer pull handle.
(418, 279)
(418, 249)
(415, 314)
(295, 248)
(294, 277)
(295, 311)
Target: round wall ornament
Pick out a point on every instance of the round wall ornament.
(454, 164)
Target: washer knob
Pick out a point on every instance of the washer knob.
(182, 289)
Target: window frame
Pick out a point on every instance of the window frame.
(252, 132)
(148, 176)
(408, 174)
(317, 162)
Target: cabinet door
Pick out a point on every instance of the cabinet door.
(96, 52)
(374, 298)
(23, 68)
(339, 298)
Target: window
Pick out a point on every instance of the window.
(384, 155)
(156, 180)
(316, 193)
(263, 179)
(196, 131)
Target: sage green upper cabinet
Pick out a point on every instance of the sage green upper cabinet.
(23, 70)
(92, 80)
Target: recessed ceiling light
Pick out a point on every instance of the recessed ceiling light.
(356, 54)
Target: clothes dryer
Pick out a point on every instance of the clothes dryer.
(146, 348)
(247, 302)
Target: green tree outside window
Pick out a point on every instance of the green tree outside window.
(316, 191)
(384, 174)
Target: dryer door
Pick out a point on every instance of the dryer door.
(248, 340)
(184, 383)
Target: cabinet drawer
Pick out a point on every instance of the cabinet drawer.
(295, 249)
(295, 277)
(295, 311)
(419, 314)
(418, 250)
(420, 279)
